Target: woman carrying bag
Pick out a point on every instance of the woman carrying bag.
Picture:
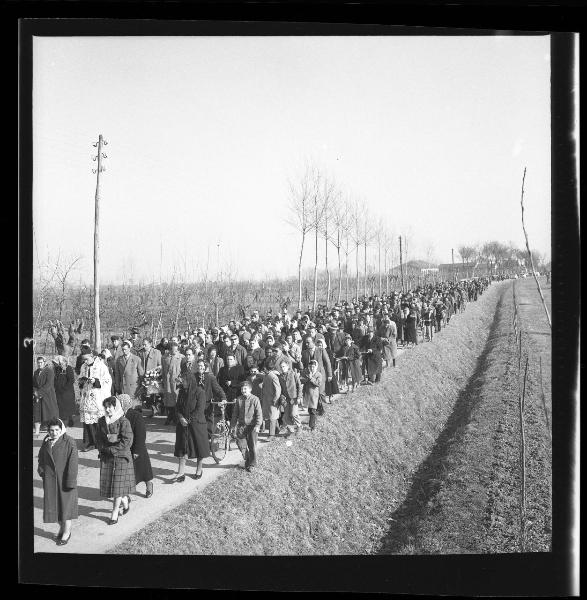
(117, 475)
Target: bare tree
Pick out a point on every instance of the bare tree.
(368, 236)
(329, 199)
(300, 195)
(340, 222)
(356, 235)
(316, 224)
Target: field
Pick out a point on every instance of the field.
(405, 467)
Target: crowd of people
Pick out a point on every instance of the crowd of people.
(263, 370)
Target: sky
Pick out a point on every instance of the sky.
(430, 134)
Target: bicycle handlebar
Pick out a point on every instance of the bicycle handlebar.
(223, 402)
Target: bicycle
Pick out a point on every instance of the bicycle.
(220, 438)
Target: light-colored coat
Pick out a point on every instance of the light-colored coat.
(127, 374)
(312, 384)
(170, 370)
(247, 411)
(150, 360)
(90, 406)
(270, 393)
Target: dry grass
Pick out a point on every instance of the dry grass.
(474, 508)
(334, 490)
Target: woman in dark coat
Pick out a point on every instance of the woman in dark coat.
(44, 399)
(58, 470)
(373, 345)
(411, 321)
(352, 363)
(330, 387)
(64, 380)
(114, 440)
(191, 433)
(140, 455)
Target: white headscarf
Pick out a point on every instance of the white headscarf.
(53, 440)
(118, 412)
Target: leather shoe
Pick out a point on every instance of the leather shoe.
(125, 510)
(196, 476)
(62, 542)
(180, 479)
(112, 521)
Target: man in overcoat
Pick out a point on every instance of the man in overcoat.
(128, 371)
(321, 357)
(170, 371)
(150, 359)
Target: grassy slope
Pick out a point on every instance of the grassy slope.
(475, 505)
(333, 491)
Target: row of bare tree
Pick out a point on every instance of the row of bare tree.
(318, 208)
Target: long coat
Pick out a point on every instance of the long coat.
(311, 388)
(142, 464)
(270, 393)
(193, 439)
(324, 365)
(389, 333)
(92, 396)
(375, 358)
(236, 375)
(127, 373)
(117, 474)
(58, 469)
(213, 391)
(65, 392)
(150, 360)
(353, 363)
(43, 384)
(170, 370)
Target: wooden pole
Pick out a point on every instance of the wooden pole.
(100, 168)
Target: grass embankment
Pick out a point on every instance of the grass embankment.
(466, 497)
(334, 490)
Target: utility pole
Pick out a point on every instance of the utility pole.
(401, 264)
(98, 170)
(452, 250)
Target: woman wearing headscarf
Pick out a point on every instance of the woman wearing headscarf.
(117, 475)
(191, 432)
(311, 379)
(95, 385)
(44, 399)
(140, 455)
(58, 470)
(64, 380)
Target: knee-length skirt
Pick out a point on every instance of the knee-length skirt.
(192, 441)
(117, 477)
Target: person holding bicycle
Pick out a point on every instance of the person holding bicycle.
(245, 423)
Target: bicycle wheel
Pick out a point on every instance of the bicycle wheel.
(219, 446)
